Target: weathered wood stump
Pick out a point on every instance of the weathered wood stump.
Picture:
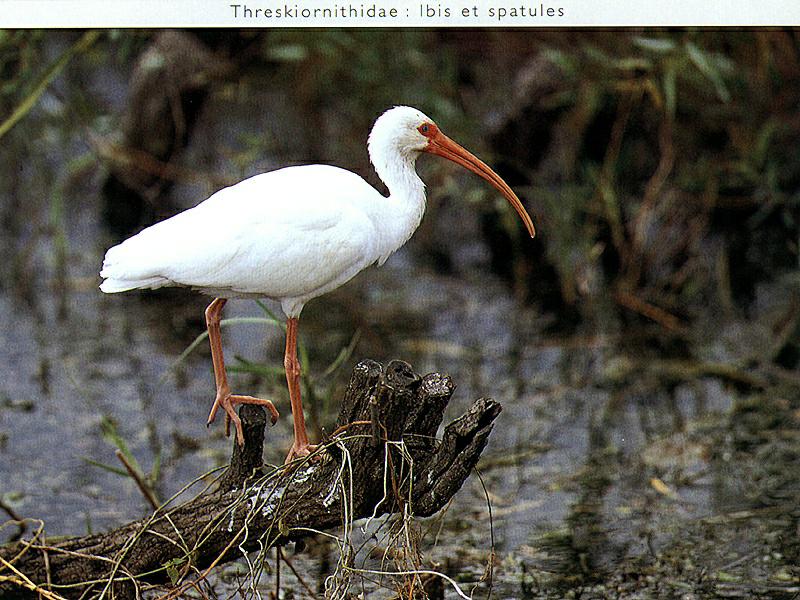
(385, 410)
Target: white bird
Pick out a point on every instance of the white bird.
(291, 235)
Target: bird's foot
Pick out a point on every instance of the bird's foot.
(301, 450)
(227, 401)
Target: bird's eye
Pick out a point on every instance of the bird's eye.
(425, 129)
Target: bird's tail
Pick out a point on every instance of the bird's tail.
(112, 285)
(120, 276)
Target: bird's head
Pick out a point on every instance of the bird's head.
(398, 129)
(407, 132)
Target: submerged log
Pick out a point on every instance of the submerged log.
(388, 422)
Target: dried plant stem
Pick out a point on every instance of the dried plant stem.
(140, 483)
(256, 507)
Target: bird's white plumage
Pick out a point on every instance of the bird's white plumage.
(291, 234)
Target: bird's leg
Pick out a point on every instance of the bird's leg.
(213, 319)
(300, 447)
(224, 398)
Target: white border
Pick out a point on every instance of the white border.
(397, 13)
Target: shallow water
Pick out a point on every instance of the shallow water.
(586, 471)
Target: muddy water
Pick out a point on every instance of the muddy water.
(596, 480)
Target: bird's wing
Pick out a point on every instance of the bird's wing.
(286, 233)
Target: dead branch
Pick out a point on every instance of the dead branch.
(392, 410)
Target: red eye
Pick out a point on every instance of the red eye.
(427, 129)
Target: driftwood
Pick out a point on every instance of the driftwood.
(385, 410)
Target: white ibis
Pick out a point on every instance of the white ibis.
(292, 235)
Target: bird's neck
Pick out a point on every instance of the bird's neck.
(403, 210)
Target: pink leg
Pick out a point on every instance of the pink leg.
(224, 398)
(300, 447)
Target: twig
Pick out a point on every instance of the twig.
(278, 553)
(25, 582)
(296, 574)
(667, 320)
(28, 544)
(651, 195)
(347, 426)
(449, 580)
(143, 487)
(144, 161)
(20, 522)
(14, 514)
(489, 573)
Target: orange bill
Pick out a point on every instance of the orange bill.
(441, 145)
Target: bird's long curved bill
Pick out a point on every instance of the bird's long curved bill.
(441, 145)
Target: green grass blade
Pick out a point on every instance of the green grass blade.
(86, 40)
(344, 354)
(199, 339)
(104, 466)
(271, 314)
(112, 436)
(245, 366)
(155, 472)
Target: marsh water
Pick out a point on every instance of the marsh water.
(612, 471)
